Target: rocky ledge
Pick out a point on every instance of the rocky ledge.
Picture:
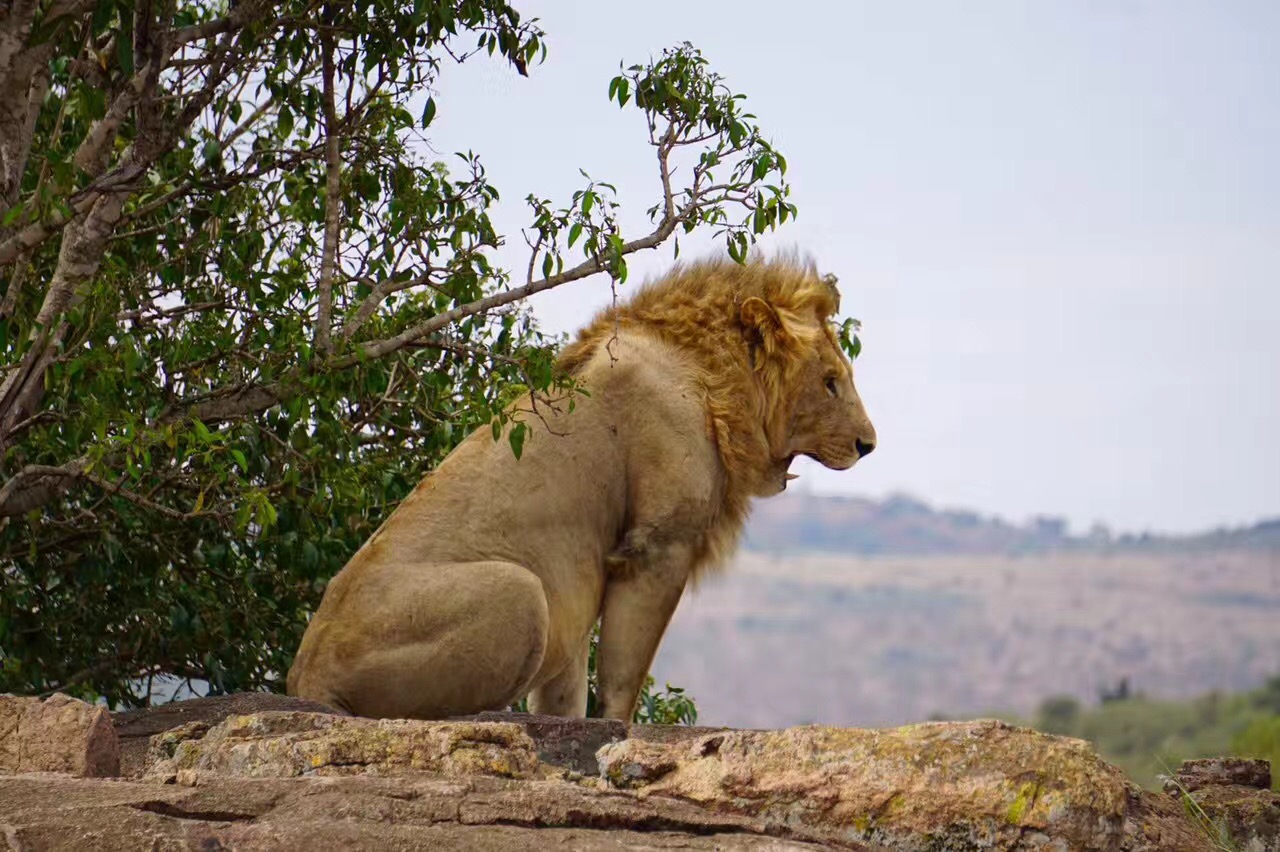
(266, 772)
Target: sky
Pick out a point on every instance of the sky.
(1058, 221)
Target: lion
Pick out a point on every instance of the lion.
(485, 583)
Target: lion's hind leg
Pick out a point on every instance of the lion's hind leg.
(427, 641)
(565, 694)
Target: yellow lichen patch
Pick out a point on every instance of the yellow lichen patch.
(1022, 802)
(976, 779)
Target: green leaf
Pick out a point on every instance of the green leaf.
(124, 44)
(211, 153)
(850, 342)
(102, 13)
(516, 436)
(428, 112)
(575, 231)
(243, 515)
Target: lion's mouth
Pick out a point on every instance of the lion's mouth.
(829, 462)
(787, 475)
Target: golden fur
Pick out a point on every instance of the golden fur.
(486, 581)
(697, 308)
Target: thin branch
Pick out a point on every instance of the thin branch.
(83, 675)
(16, 280)
(587, 268)
(379, 293)
(240, 15)
(17, 497)
(664, 169)
(168, 313)
(332, 201)
(77, 470)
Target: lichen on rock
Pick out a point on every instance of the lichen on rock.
(283, 744)
(298, 777)
(985, 783)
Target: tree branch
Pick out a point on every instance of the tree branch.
(17, 496)
(94, 149)
(78, 261)
(666, 226)
(381, 291)
(332, 201)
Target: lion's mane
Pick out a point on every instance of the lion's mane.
(696, 308)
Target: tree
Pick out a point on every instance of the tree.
(241, 314)
(1057, 714)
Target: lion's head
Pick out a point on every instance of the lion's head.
(812, 407)
(777, 384)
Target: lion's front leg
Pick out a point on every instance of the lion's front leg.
(637, 608)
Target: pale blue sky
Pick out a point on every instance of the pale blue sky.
(1058, 221)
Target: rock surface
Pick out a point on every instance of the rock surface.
(215, 777)
(1195, 775)
(289, 744)
(955, 785)
(136, 727)
(57, 734)
(1242, 818)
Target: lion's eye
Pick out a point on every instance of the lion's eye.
(831, 386)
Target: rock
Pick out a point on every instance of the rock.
(136, 727)
(1243, 818)
(568, 743)
(285, 744)
(57, 734)
(359, 812)
(1195, 775)
(213, 778)
(977, 785)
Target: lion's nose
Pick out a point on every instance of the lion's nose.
(864, 448)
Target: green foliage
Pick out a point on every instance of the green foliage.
(1144, 736)
(1261, 739)
(242, 315)
(850, 342)
(669, 707)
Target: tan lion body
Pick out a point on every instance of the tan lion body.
(485, 583)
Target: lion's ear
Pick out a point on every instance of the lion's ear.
(764, 326)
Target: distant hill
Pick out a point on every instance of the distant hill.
(903, 525)
(781, 639)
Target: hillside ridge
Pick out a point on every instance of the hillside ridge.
(903, 525)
